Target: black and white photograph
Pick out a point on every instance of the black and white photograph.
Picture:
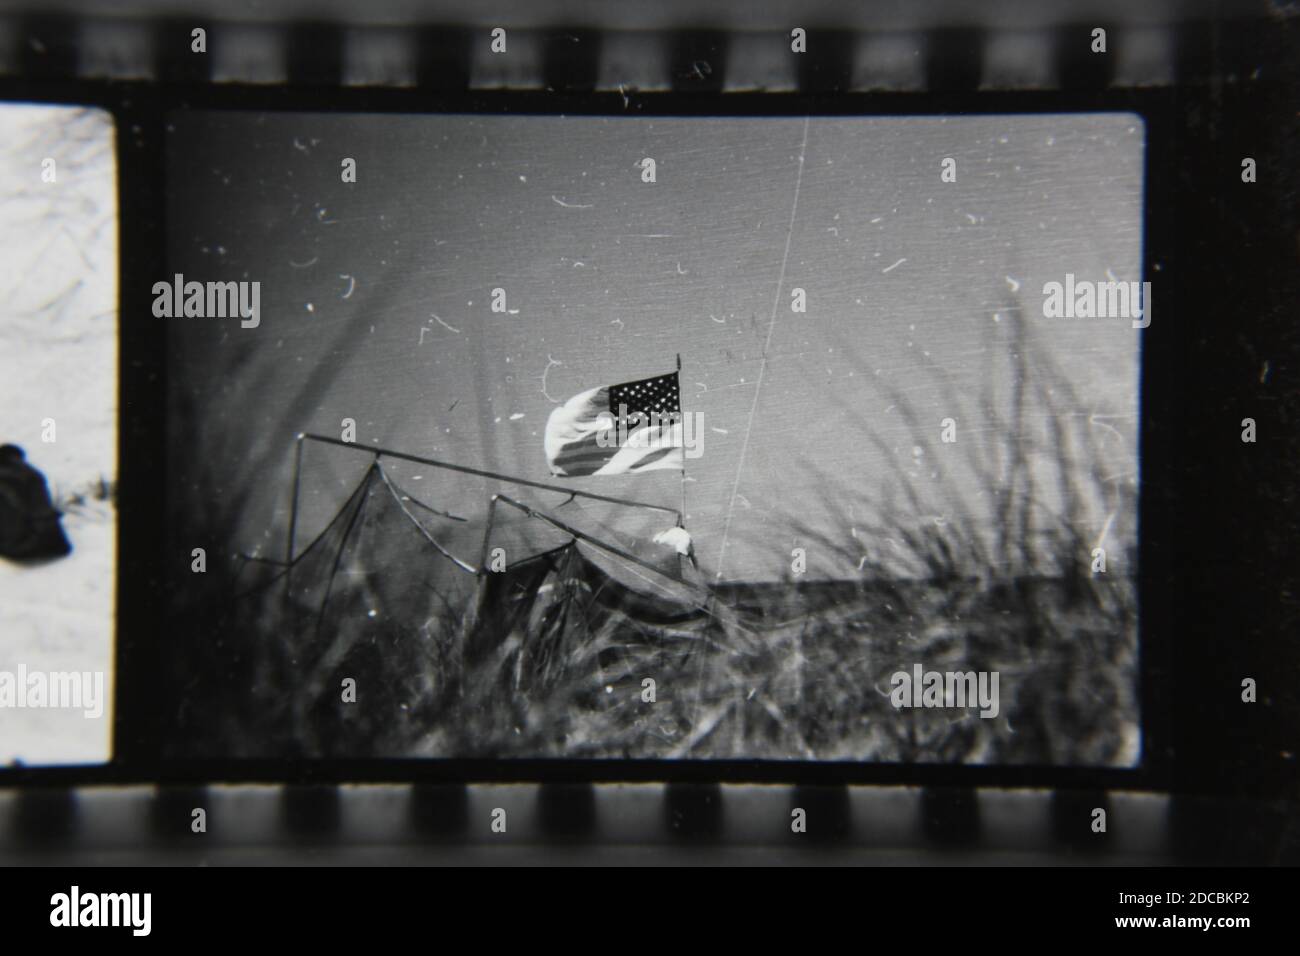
(58, 433)
(683, 438)
(740, 433)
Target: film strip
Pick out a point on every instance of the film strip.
(394, 824)
(450, 57)
(1209, 791)
(729, 823)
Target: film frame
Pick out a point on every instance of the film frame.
(1196, 742)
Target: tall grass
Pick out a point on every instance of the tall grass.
(797, 669)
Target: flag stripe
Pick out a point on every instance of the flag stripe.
(591, 447)
(605, 454)
(652, 458)
(584, 449)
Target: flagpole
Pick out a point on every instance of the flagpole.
(681, 515)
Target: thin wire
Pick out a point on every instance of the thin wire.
(463, 469)
(776, 302)
(428, 537)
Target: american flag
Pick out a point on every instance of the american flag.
(618, 429)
